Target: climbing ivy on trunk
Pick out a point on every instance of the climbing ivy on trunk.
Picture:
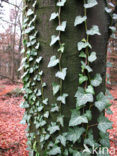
(48, 132)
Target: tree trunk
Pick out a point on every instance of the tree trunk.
(70, 58)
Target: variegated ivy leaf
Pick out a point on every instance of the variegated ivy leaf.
(55, 151)
(112, 28)
(87, 67)
(111, 4)
(101, 102)
(61, 3)
(53, 61)
(62, 98)
(30, 12)
(38, 60)
(53, 128)
(81, 45)
(82, 98)
(60, 120)
(90, 89)
(92, 57)
(108, 10)
(97, 80)
(55, 88)
(74, 134)
(37, 46)
(54, 39)
(54, 15)
(28, 30)
(94, 30)
(79, 20)
(77, 119)
(34, 4)
(61, 49)
(62, 27)
(104, 124)
(39, 93)
(46, 114)
(62, 74)
(90, 4)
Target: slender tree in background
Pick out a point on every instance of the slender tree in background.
(65, 44)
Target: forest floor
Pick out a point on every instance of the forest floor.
(12, 133)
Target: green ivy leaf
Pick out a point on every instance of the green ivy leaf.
(53, 128)
(53, 61)
(55, 151)
(38, 60)
(87, 67)
(88, 114)
(62, 140)
(54, 15)
(61, 3)
(60, 120)
(104, 139)
(94, 30)
(30, 12)
(81, 45)
(101, 102)
(92, 57)
(62, 98)
(77, 119)
(90, 4)
(82, 97)
(55, 88)
(83, 55)
(62, 74)
(61, 49)
(90, 89)
(82, 78)
(97, 80)
(74, 134)
(104, 124)
(79, 20)
(62, 27)
(54, 39)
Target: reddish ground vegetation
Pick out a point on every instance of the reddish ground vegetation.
(12, 133)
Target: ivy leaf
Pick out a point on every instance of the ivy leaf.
(46, 114)
(88, 115)
(104, 123)
(61, 49)
(38, 60)
(30, 12)
(60, 120)
(105, 139)
(62, 98)
(54, 39)
(55, 88)
(37, 46)
(92, 57)
(61, 3)
(81, 45)
(79, 20)
(90, 4)
(28, 30)
(87, 67)
(54, 15)
(90, 140)
(45, 101)
(83, 55)
(77, 119)
(62, 139)
(55, 151)
(61, 74)
(54, 108)
(82, 78)
(53, 62)
(62, 27)
(82, 97)
(53, 128)
(90, 89)
(108, 10)
(74, 134)
(101, 102)
(114, 16)
(97, 80)
(94, 30)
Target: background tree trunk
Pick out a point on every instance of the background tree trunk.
(70, 59)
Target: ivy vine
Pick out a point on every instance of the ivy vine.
(80, 130)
